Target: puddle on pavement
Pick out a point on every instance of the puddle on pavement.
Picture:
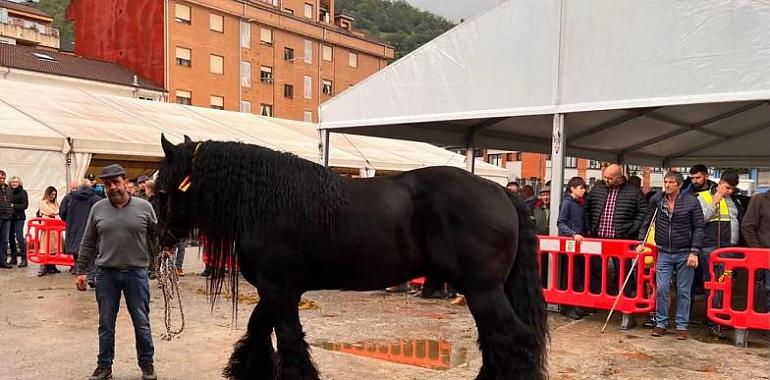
(432, 354)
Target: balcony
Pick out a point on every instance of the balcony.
(29, 32)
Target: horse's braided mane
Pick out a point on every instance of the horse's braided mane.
(238, 188)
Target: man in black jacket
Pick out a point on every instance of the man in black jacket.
(6, 213)
(614, 209)
(679, 236)
(74, 210)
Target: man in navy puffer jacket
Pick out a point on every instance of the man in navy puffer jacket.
(679, 235)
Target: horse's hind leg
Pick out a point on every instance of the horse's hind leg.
(503, 337)
(293, 350)
(253, 357)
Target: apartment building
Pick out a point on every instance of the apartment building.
(24, 25)
(280, 58)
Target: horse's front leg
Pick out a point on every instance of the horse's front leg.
(295, 363)
(253, 357)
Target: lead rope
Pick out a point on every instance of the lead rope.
(168, 281)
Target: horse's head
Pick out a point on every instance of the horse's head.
(173, 189)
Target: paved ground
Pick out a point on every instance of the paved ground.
(48, 331)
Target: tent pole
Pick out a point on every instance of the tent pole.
(68, 164)
(557, 171)
(470, 160)
(557, 184)
(325, 141)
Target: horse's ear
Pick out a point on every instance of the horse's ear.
(187, 139)
(168, 147)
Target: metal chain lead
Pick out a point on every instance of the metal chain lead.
(168, 281)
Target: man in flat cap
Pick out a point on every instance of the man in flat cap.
(120, 233)
(141, 183)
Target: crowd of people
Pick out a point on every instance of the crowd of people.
(73, 209)
(690, 218)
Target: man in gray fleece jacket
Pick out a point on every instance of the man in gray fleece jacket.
(120, 233)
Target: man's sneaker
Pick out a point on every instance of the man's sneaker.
(681, 334)
(101, 373)
(658, 331)
(148, 372)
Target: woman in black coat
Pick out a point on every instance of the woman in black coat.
(19, 202)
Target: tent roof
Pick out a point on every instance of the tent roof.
(659, 82)
(55, 118)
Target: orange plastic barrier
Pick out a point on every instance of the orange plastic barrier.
(565, 293)
(45, 242)
(751, 260)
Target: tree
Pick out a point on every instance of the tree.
(58, 10)
(396, 22)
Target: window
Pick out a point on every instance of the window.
(494, 159)
(216, 64)
(182, 14)
(44, 57)
(217, 102)
(245, 35)
(327, 53)
(593, 164)
(266, 110)
(288, 54)
(245, 74)
(327, 87)
(309, 11)
(570, 162)
(245, 106)
(308, 51)
(266, 36)
(353, 60)
(183, 57)
(518, 156)
(266, 74)
(183, 97)
(307, 116)
(288, 91)
(216, 23)
(324, 15)
(308, 90)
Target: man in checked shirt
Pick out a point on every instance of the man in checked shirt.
(614, 209)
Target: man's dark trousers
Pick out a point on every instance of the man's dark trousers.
(133, 283)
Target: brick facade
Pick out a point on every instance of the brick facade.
(198, 35)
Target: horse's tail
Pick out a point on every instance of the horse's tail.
(524, 290)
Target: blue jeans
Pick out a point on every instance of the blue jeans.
(5, 228)
(667, 265)
(180, 247)
(17, 239)
(132, 283)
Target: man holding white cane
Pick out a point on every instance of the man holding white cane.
(678, 235)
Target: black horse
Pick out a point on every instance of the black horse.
(296, 226)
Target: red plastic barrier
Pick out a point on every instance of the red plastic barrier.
(750, 260)
(45, 243)
(623, 250)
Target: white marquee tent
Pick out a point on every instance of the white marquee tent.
(658, 82)
(41, 127)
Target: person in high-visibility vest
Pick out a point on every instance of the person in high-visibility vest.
(722, 212)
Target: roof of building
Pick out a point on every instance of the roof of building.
(57, 63)
(22, 8)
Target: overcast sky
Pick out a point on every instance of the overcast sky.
(455, 9)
